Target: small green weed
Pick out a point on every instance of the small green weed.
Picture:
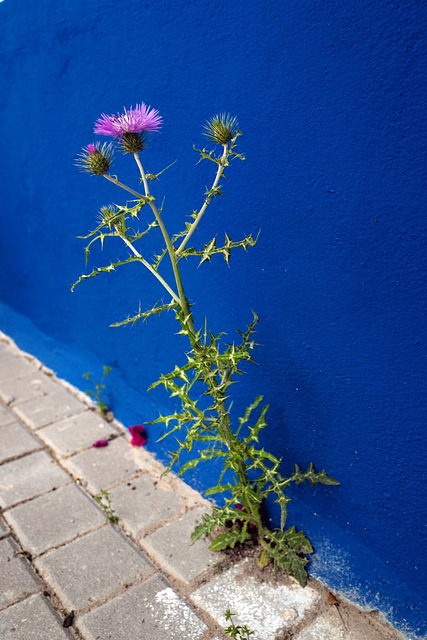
(239, 633)
(96, 395)
(105, 503)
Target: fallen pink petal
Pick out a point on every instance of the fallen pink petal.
(100, 443)
(139, 436)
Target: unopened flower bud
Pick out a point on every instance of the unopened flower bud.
(109, 216)
(221, 128)
(96, 159)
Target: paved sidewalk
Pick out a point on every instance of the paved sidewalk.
(66, 573)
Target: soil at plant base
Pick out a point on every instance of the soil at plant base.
(358, 625)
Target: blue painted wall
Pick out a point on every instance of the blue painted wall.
(329, 99)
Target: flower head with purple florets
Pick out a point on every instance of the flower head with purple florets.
(131, 127)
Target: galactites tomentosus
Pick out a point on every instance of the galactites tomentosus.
(211, 366)
(131, 127)
(96, 158)
(221, 128)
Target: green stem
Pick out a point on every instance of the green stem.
(187, 316)
(115, 181)
(206, 202)
(186, 319)
(149, 267)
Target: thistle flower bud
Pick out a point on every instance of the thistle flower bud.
(221, 128)
(95, 159)
(109, 216)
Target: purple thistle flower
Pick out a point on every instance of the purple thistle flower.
(137, 120)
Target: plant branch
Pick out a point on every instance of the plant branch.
(149, 267)
(206, 202)
(172, 255)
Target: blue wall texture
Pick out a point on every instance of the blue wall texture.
(329, 97)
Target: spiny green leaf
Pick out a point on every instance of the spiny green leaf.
(312, 476)
(144, 315)
(211, 249)
(225, 540)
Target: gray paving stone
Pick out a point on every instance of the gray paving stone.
(76, 433)
(322, 629)
(170, 546)
(32, 619)
(6, 351)
(143, 503)
(4, 531)
(55, 406)
(28, 477)
(54, 518)
(88, 570)
(105, 467)
(149, 611)
(14, 366)
(15, 440)
(34, 385)
(266, 609)
(17, 579)
(6, 417)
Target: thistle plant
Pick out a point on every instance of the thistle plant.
(250, 475)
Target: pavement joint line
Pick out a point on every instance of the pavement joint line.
(19, 456)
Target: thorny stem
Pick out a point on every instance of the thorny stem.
(172, 255)
(181, 299)
(186, 319)
(115, 180)
(206, 202)
(149, 267)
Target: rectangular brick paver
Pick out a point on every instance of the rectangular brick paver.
(76, 433)
(17, 579)
(14, 366)
(30, 476)
(170, 546)
(35, 384)
(322, 629)
(105, 467)
(149, 611)
(6, 417)
(32, 619)
(88, 570)
(267, 609)
(55, 518)
(142, 503)
(15, 440)
(55, 406)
